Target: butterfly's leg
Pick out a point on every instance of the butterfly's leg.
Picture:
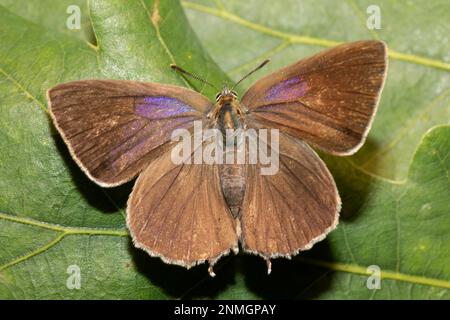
(241, 111)
(211, 271)
(269, 265)
(214, 114)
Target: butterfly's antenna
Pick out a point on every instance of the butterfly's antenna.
(181, 70)
(251, 72)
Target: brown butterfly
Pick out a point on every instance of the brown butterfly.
(187, 214)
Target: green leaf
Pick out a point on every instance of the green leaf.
(52, 14)
(395, 191)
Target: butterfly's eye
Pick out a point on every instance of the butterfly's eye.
(218, 96)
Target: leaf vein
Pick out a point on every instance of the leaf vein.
(226, 15)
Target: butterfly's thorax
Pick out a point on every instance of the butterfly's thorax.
(228, 117)
(232, 176)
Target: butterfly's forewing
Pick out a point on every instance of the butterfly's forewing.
(328, 99)
(289, 211)
(114, 128)
(178, 213)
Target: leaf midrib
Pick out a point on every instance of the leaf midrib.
(67, 229)
(62, 232)
(160, 37)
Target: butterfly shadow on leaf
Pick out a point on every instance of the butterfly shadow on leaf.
(179, 282)
(290, 279)
(245, 277)
(354, 186)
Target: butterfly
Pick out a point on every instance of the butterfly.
(188, 214)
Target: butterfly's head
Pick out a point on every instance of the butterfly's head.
(226, 95)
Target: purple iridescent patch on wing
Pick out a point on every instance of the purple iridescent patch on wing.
(160, 107)
(287, 90)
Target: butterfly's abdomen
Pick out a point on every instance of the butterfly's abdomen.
(232, 180)
(232, 175)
